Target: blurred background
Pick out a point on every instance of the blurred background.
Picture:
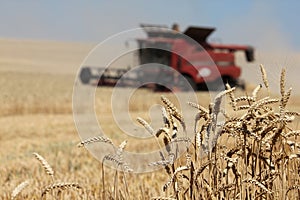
(55, 36)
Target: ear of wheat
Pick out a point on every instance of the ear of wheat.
(264, 77)
(121, 149)
(258, 184)
(255, 91)
(45, 165)
(233, 103)
(174, 111)
(199, 107)
(163, 198)
(19, 189)
(93, 140)
(146, 125)
(218, 100)
(179, 169)
(60, 186)
(282, 82)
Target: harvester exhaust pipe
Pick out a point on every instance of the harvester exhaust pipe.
(249, 54)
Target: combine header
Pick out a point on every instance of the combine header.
(159, 47)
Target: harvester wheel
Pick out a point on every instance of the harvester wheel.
(238, 83)
(85, 75)
(219, 84)
(191, 87)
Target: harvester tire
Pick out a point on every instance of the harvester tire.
(85, 75)
(192, 85)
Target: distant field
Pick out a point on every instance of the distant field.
(42, 56)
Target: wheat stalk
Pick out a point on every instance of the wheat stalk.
(120, 150)
(292, 134)
(19, 189)
(245, 98)
(264, 77)
(171, 106)
(263, 102)
(93, 140)
(292, 113)
(209, 191)
(179, 169)
(243, 107)
(258, 184)
(164, 162)
(282, 82)
(112, 158)
(286, 97)
(163, 198)
(165, 132)
(166, 118)
(199, 107)
(45, 164)
(226, 187)
(60, 186)
(255, 91)
(294, 187)
(181, 139)
(231, 96)
(218, 100)
(174, 110)
(146, 125)
(119, 157)
(201, 169)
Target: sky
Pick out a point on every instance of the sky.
(268, 25)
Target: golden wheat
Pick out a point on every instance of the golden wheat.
(45, 165)
(19, 189)
(60, 186)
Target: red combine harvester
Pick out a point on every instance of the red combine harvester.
(187, 54)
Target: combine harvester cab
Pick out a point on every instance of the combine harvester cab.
(163, 46)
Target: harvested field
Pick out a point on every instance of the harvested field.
(36, 116)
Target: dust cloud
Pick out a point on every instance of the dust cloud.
(272, 45)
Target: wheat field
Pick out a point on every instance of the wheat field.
(40, 157)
